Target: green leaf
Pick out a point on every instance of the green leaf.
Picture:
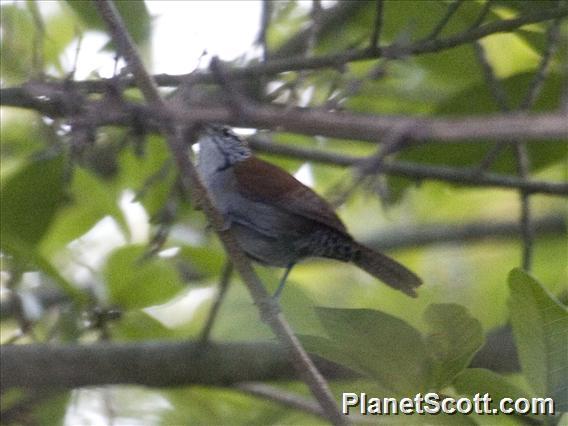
(15, 50)
(137, 325)
(332, 351)
(540, 328)
(477, 99)
(91, 200)
(26, 253)
(134, 14)
(52, 410)
(380, 345)
(206, 260)
(199, 405)
(151, 175)
(455, 336)
(31, 198)
(135, 281)
(480, 381)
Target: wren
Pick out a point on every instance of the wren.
(276, 219)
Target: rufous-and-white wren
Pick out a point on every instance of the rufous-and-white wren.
(276, 219)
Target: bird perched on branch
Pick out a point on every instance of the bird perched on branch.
(276, 219)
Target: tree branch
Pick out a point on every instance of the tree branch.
(300, 62)
(406, 237)
(190, 180)
(416, 171)
(333, 124)
(51, 99)
(166, 364)
(148, 363)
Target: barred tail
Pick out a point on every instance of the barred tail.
(387, 270)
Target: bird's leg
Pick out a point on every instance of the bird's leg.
(282, 282)
(223, 286)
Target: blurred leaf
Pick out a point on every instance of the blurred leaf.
(215, 406)
(135, 282)
(20, 137)
(287, 18)
(138, 325)
(149, 173)
(331, 350)
(472, 381)
(295, 302)
(454, 337)
(362, 339)
(477, 99)
(91, 200)
(134, 13)
(31, 198)
(526, 7)
(16, 51)
(206, 260)
(540, 328)
(52, 410)
(60, 31)
(27, 254)
(238, 317)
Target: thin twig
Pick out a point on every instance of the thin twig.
(392, 143)
(222, 291)
(396, 238)
(500, 98)
(527, 233)
(315, 16)
(414, 170)
(377, 25)
(38, 40)
(265, 16)
(292, 400)
(484, 11)
(289, 399)
(190, 180)
(450, 11)
(300, 62)
(520, 147)
(495, 86)
(552, 41)
(238, 102)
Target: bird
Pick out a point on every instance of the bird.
(277, 220)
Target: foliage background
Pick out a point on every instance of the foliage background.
(81, 206)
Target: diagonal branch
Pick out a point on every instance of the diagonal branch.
(289, 399)
(190, 181)
(450, 11)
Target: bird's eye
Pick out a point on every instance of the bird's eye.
(226, 132)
